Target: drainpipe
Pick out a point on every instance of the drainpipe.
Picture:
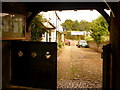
(56, 29)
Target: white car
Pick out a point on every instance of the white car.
(82, 43)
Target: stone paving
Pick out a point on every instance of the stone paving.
(77, 84)
(79, 68)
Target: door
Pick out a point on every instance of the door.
(34, 64)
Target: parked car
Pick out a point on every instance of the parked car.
(82, 43)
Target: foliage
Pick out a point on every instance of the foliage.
(37, 28)
(59, 45)
(99, 28)
(106, 38)
(68, 35)
(71, 37)
(84, 25)
(75, 26)
(70, 25)
(89, 38)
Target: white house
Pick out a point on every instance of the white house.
(54, 26)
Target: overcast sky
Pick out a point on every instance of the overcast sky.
(79, 15)
(73, 15)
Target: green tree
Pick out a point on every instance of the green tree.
(75, 26)
(68, 25)
(84, 25)
(37, 28)
(99, 28)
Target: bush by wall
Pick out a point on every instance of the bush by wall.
(96, 47)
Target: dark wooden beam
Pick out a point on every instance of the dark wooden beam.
(14, 7)
(64, 5)
(104, 14)
(30, 18)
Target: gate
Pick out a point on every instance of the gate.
(34, 64)
(107, 67)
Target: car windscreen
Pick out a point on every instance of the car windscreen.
(83, 41)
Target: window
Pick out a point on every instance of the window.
(13, 26)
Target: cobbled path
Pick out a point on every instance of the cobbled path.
(78, 84)
(79, 69)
